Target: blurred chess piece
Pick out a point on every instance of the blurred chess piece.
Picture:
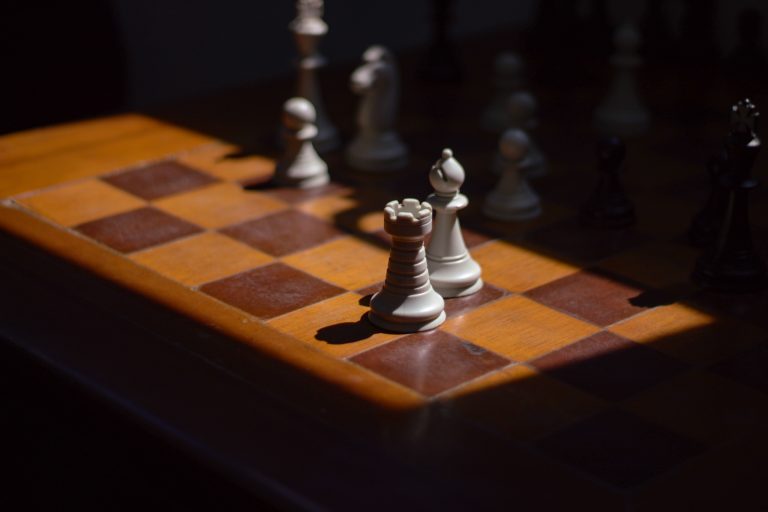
(509, 76)
(521, 109)
(300, 165)
(608, 206)
(706, 223)
(407, 302)
(513, 198)
(732, 264)
(622, 113)
(452, 270)
(377, 146)
(308, 29)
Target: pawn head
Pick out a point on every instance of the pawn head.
(447, 175)
(298, 112)
(514, 144)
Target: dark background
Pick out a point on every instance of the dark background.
(72, 60)
(64, 61)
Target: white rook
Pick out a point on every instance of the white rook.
(407, 302)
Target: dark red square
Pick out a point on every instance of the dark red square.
(430, 362)
(609, 366)
(271, 290)
(137, 229)
(283, 233)
(591, 295)
(159, 180)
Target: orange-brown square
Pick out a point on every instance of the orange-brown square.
(346, 262)
(337, 326)
(80, 202)
(518, 328)
(219, 205)
(516, 268)
(201, 258)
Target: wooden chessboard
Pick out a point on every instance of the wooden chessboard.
(587, 370)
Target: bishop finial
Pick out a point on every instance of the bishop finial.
(447, 175)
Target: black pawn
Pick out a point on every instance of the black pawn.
(732, 264)
(706, 224)
(608, 206)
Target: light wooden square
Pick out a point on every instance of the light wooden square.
(689, 334)
(346, 262)
(518, 328)
(518, 269)
(201, 258)
(79, 202)
(339, 320)
(219, 205)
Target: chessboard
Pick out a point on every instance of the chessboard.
(588, 369)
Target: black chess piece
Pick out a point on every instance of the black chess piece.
(706, 223)
(442, 63)
(732, 264)
(608, 206)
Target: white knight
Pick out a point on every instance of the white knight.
(377, 146)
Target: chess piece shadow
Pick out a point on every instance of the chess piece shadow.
(347, 332)
(663, 296)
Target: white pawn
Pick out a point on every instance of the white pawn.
(622, 113)
(509, 71)
(521, 113)
(407, 302)
(377, 146)
(452, 270)
(300, 165)
(513, 198)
